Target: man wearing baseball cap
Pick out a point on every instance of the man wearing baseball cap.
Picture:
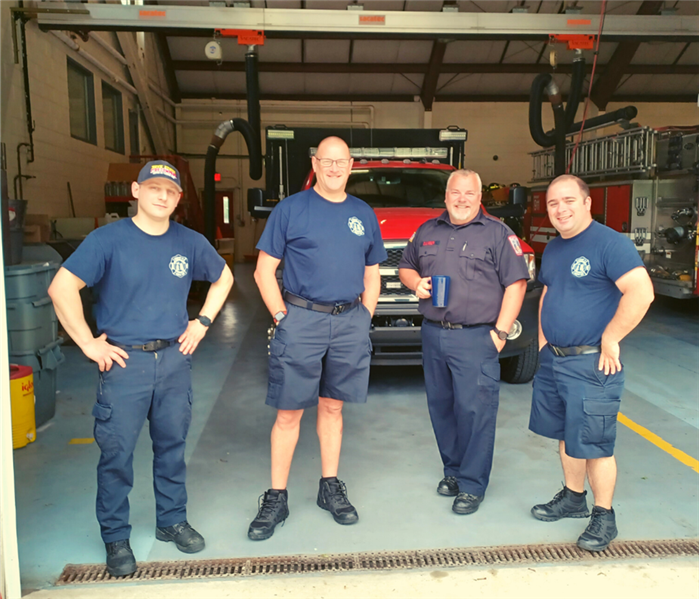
(141, 269)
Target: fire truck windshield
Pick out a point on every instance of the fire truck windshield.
(399, 187)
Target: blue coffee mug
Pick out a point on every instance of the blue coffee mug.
(440, 291)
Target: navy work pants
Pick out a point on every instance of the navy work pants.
(462, 381)
(157, 386)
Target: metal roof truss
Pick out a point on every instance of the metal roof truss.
(373, 24)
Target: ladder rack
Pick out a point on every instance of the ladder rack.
(630, 152)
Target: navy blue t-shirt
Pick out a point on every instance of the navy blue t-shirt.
(142, 281)
(325, 245)
(580, 274)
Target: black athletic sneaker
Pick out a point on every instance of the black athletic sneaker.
(120, 559)
(448, 486)
(465, 503)
(600, 531)
(332, 496)
(183, 535)
(563, 505)
(273, 510)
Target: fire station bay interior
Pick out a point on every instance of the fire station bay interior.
(237, 96)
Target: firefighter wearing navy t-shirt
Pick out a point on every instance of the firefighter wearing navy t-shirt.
(461, 342)
(320, 354)
(141, 269)
(596, 290)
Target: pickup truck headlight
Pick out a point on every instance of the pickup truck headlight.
(530, 261)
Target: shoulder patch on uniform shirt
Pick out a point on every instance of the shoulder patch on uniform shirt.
(412, 237)
(424, 243)
(514, 242)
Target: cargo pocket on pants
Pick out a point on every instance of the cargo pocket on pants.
(489, 382)
(276, 368)
(104, 434)
(600, 420)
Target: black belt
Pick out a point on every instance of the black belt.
(451, 325)
(319, 307)
(150, 346)
(575, 350)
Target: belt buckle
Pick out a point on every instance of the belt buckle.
(151, 346)
(446, 325)
(557, 351)
(338, 309)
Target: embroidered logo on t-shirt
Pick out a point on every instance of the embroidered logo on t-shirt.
(580, 267)
(356, 226)
(514, 242)
(179, 265)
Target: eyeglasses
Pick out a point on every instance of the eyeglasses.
(327, 162)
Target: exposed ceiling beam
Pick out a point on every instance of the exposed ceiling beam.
(164, 49)
(686, 46)
(170, 76)
(407, 68)
(140, 81)
(617, 66)
(306, 97)
(668, 98)
(296, 23)
(429, 84)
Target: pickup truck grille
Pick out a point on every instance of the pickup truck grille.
(394, 256)
(391, 286)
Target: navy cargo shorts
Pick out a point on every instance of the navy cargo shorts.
(316, 354)
(575, 402)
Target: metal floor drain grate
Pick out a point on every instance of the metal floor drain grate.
(390, 560)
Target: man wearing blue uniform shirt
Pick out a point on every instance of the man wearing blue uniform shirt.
(461, 342)
(320, 353)
(596, 291)
(141, 269)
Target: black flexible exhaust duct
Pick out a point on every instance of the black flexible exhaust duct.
(252, 85)
(560, 116)
(563, 119)
(542, 83)
(622, 114)
(253, 143)
(250, 130)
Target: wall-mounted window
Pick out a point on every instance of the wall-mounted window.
(113, 119)
(81, 97)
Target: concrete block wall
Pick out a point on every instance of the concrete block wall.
(58, 157)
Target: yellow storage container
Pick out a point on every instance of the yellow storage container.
(22, 399)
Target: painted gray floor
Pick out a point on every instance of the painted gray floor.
(390, 461)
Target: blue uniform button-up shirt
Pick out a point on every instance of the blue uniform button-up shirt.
(482, 258)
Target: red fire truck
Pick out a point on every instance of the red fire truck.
(643, 183)
(402, 175)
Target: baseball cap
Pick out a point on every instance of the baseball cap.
(160, 169)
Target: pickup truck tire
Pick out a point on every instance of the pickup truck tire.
(521, 368)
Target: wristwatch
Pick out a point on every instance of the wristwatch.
(205, 320)
(502, 335)
(279, 316)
